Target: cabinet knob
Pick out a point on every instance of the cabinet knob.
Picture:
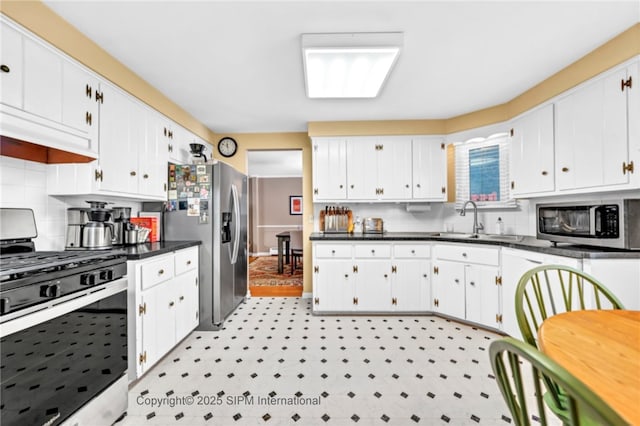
(340, 186)
(457, 281)
(161, 271)
(385, 275)
(333, 252)
(544, 173)
(5, 68)
(351, 186)
(171, 304)
(413, 252)
(418, 185)
(406, 186)
(132, 173)
(146, 176)
(472, 283)
(464, 254)
(565, 169)
(373, 251)
(424, 275)
(188, 262)
(181, 298)
(346, 275)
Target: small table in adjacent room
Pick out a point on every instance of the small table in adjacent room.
(602, 349)
(283, 246)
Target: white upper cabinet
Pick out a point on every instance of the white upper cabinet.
(11, 70)
(152, 159)
(378, 168)
(592, 144)
(532, 168)
(46, 97)
(42, 81)
(429, 166)
(329, 169)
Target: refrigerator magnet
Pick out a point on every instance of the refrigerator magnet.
(194, 207)
(182, 204)
(201, 170)
(204, 205)
(203, 179)
(173, 194)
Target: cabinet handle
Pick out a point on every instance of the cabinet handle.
(142, 358)
(170, 147)
(315, 191)
(142, 309)
(544, 173)
(145, 176)
(394, 269)
(133, 173)
(565, 169)
(99, 97)
(88, 91)
(626, 83)
(161, 271)
(171, 304)
(98, 175)
(164, 131)
(5, 68)
(316, 300)
(88, 118)
(627, 167)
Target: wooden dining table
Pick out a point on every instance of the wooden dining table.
(602, 349)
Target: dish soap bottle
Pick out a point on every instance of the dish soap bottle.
(499, 227)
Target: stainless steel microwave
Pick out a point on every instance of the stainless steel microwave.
(602, 223)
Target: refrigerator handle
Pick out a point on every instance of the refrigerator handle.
(236, 221)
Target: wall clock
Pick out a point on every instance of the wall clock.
(227, 147)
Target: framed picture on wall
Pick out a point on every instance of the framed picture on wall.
(295, 204)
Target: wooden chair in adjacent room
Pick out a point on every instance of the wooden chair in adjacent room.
(295, 247)
(511, 359)
(549, 290)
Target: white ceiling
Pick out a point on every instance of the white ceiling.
(236, 65)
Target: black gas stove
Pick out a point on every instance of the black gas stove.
(27, 279)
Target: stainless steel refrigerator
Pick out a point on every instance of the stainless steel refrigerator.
(208, 202)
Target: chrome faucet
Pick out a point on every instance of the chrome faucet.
(476, 226)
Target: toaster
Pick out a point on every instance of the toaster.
(372, 225)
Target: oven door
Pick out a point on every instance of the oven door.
(57, 359)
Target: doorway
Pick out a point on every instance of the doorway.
(275, 194)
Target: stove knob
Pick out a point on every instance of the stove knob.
(50, 290)
(106, 275)
(88, 279)
(5, 305)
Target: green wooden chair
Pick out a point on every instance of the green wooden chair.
(509, 356)
(548, 290)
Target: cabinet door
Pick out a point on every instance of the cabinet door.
(153, 157)
(362, 173)
(448, 288)
(158, 324)
(42, 81)
(394, 173)
(482, 295)
(429, 166)
(79, 108)
(514, 265)
(591, 138)
(333, 286)
(187, 303)
(120, 120)
(532, 169)
(12, 70)
(410, 285)
(373, 285)
(620, 276)
(329, 169)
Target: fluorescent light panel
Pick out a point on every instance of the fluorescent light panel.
(348, 65)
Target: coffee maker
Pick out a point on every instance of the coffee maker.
(121, 224)
(89, 228)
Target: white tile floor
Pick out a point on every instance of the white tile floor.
(275, 363)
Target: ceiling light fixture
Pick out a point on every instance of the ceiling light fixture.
(348, 65)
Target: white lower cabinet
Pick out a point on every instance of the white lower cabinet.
(163, 306)
(620, 276)
(465, 283)
(514, 265)
(370, 277)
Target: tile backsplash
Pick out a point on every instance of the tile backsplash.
(23, 184)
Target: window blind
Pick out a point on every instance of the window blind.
(486, 161)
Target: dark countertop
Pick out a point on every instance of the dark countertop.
(144, 251)
(522, 243)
